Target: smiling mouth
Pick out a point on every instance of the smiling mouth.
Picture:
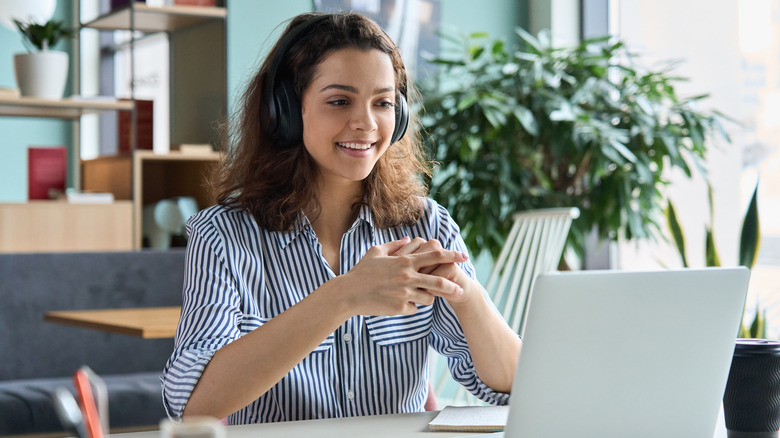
(356, 146)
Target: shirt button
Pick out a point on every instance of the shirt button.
(347, 337)
(350, 395)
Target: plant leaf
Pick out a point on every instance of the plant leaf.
(750, 238)
(623, 150)
(526, 118)
(674, 227)
(711, 252)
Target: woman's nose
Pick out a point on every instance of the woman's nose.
(362, 119)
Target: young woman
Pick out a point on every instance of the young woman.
(317, 284)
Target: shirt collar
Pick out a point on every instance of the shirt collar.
(365, 215)
(302, 225)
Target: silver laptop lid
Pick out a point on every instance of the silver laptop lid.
(627, 354)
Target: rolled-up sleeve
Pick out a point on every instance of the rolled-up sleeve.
(210, 318)
(447, 336)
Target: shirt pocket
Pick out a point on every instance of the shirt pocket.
(250, 323)
(394, 330)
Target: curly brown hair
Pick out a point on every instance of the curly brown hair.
(274, 184)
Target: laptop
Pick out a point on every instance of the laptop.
(626, 354)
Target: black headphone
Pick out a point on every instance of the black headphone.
(285, 124)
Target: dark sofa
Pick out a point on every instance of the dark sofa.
(37, 356)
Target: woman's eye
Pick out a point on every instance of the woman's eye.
(338, 102)
(386, 104)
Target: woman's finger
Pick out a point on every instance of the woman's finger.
(410, 248)
(422, 297)
(392, 247)
(431, 245)
(438, 286)
(437, 257)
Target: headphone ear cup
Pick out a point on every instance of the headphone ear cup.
(288, 131)
(401, 119)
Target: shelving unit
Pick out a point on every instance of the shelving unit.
(198, 85)
(198, 95)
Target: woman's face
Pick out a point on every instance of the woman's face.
(348, 113)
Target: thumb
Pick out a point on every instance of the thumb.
(390, 248)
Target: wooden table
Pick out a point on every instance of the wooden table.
(147, 323)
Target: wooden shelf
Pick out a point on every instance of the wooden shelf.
(156, 18)
(67, 108)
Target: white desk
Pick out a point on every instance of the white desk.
(378, 426)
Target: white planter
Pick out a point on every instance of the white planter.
(41, 74)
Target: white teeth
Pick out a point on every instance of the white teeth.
(359, 146)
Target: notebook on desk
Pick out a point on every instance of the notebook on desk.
(626, 354)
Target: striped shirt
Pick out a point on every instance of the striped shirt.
(239, 276)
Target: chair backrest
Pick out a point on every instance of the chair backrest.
(534, 245)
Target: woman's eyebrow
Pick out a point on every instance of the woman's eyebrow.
(352, 89)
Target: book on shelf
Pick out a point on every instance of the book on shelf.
(195, 2)
(193, 149)
(88, 197)
(46, 171)
(470, 419)
(115, 4)
(144, 129)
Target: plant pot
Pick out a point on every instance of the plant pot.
(41, 74)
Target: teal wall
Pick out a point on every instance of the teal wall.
(16, 133)
(497, 17)
(254, 26)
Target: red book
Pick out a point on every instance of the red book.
(195, 2)
(46, 171)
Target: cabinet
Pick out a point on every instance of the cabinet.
(147, 178)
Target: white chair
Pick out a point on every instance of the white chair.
(534, 245)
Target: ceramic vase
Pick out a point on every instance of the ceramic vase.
(41, 74)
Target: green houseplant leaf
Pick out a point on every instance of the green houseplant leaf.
(750, 241)
(756, 329)
(677, 234)
(750, 237)
(521, 125)
(711, 253)
(42, 36)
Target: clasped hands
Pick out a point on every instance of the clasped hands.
(393, 278)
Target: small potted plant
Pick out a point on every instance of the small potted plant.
(42, 72)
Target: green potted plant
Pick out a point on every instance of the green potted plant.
(41, 72)
(749, 244)
(545, 126)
